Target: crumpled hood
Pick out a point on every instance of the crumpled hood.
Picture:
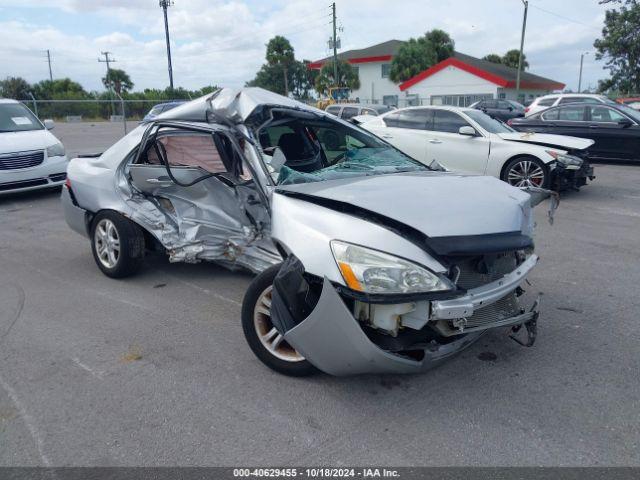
(435, 203)
(11, 142)
(559, 141)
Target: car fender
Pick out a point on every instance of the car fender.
(502, 152)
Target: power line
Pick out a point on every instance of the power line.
(559, 16)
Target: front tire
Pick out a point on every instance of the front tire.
(264, 340)
(526, 172)
(117, 244)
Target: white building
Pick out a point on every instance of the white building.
(459, 80)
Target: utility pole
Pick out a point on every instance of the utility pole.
(524, 26)
(335, 45)
(165, 4)
(49, 60)
(108, 61)
(580, 77)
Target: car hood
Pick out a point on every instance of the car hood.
(559, 141)
(24, 141)
(435, 203)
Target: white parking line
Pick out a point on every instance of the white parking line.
(86, 368)
(28, 421)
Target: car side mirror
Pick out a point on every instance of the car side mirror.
(468, 131)
(511, 109)
(625, 123)
(49, 124)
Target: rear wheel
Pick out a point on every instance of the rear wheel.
(526, 172)
(117, 244)
(265, 341)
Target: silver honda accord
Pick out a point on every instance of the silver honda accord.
(367, 260)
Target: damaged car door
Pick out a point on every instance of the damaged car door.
(196, 177)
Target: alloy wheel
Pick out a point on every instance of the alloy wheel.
(107, 242)
(269, 336)
(526, 173)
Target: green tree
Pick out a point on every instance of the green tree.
(413, 57)
(118, 80)
(493, 58)
(418, 54)
(302, 79)
(510, 59)
(59, 89)
(280, 54)
(619, 46)
(347, 77)
(270, 78)
(15, 87)
(442, 43)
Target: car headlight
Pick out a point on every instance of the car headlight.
(370, 271)
(56, 150)
(564, 159)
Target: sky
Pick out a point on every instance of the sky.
(222, 42)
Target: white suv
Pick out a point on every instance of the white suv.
(546, 101)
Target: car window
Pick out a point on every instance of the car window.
(547, 102)
(193, 150)
(368, 111)
(333, 110)
(416, 119)
(571, 113)
(551, 114)
(349, 112)
(391, 120)
(566, 100)
(491, 125)
(502, 105)
(15, 117)
(605, 115)
(446, 121)
(516, 105)
(490, 104)
(157, 110)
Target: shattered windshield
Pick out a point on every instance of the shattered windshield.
(303, 150)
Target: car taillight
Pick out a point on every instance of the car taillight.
(509, 122)
(526, 109)
(67, 183)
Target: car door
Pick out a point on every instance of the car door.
(490, 107)
(197, 178)
(617, 137)
(567, 120)
(463, 153)
(406, 130)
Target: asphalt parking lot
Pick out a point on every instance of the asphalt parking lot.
(154, 370)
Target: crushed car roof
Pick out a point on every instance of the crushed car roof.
(231, 104)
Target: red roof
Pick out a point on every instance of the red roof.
(494, 73)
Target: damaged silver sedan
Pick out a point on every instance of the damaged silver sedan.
(367, 260)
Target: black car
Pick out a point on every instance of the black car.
(502, 110)
(614, 128)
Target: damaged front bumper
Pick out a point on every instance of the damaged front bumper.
(331, 338)
(571, 177)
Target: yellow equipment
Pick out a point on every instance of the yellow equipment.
(336, 95)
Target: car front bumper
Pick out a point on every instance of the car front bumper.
(50, 173)
(564, 178)
(334, 341)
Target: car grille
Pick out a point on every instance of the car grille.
(475, 272)
(14, 161)
(504, 308)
